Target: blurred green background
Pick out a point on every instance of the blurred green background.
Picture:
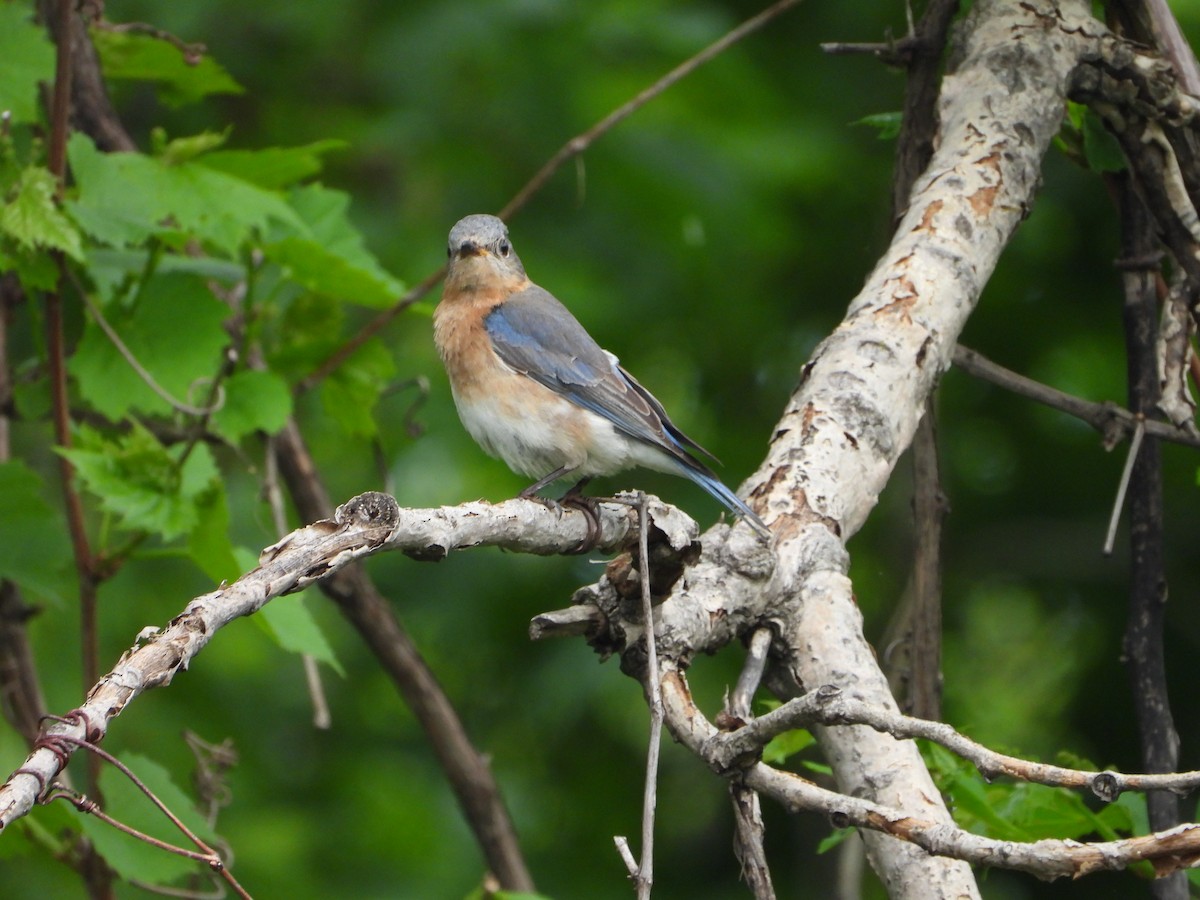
(710, 241)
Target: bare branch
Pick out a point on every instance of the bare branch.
(1112, 421)
(1168, 851)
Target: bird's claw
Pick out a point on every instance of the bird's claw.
(591, 512)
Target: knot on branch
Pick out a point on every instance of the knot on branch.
(1106, 786)
(372, 509)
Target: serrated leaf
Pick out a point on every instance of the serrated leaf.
(273, 167)
(129, 857)
(123, 199)
(331, 258)
(32, 217)
(126, 56)
(349, 394)
(254, 401)
(34, 551)
(175, 332)
(26, 57)
(140, 481)
(293, 628)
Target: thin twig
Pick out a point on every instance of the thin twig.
(645, 876)
(626, 854)
(749, 831)
(751, 674)
(572, 148)
(467, 769)
(582, 141)
(1112, 421)
(827, 705)
(1114, 520)
(312, 674)
(192, 53)
(207, 854)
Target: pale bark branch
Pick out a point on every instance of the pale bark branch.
(1168, 851)
(363, 526)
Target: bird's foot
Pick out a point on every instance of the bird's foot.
(590, 507)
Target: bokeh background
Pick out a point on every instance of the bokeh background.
(710, 241)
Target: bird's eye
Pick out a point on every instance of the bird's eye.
(505, 248)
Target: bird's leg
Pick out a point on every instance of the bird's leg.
(572, 498)
(590, 508)
(530, 493)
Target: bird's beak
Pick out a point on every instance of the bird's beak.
(470, 248)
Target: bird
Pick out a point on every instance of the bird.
(535, 390)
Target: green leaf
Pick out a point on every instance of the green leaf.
(832, 840)
(887, 125)
(26, 57)
(34, 551)
(130, 857)
(125, 56)
(254, 401)
(209, 543)
(331, 258)
(138, 479)
(350, 393)
(33, 219)
(175, 332)
(290, 624)
(37, 271)
(1099, 146)
(125, 198)
(272, 167)
(180, 150)
(783, 746)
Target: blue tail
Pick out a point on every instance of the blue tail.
(732, 501)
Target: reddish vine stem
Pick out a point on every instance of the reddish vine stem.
(95, 872)
(56, 348)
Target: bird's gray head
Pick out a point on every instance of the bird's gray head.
(486, 237)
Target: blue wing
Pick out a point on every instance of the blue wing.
(536, 335)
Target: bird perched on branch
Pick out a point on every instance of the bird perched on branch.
(534, 389)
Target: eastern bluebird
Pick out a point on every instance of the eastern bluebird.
(534, 389)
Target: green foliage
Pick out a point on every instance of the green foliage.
(182, 361)
(148, 486)
(1085, 139)
(31, 218)
(886, 125)
(26, 57)
(124, 199)
(292, 627)
(784, 746)
(134, 859)
(33, 548)
(1019, 811)
(129, 56)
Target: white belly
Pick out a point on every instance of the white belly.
(535, 432)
